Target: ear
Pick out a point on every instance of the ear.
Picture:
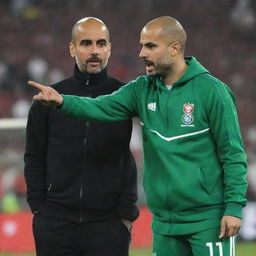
(175, 48)
(72, 49)
(110, 46)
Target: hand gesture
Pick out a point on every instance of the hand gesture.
(230, 226)
(47, 95)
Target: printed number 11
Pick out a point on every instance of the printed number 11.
(219, 244)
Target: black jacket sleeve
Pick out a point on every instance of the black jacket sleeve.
(35, 155)
(126, 207)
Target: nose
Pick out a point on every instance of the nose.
(142, 53)
(95, 50)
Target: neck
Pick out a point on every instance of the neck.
(176, 73)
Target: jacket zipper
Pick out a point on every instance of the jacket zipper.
(87, 82)
(87, 124)
(50, 186)
(167, 108)
(81, 195)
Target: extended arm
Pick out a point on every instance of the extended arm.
(120, 105)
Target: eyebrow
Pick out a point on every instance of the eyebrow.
(90, 41)
(149, 44)
(101, 41)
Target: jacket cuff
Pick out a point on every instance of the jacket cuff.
(234, 209)
(35, 206)
(62, 107)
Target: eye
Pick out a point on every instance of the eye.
(85, 42)
(150, 45)
(102, 43)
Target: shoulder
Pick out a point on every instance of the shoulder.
(139, 84)
(213, 91)
(64, 85)
(143, 79)
(140, 81)
(114, 83)
(135, 84)
(211, 85)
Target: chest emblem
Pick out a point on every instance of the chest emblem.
(187, 117)
(152, 106)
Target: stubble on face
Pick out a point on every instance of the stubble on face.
(90, 45)
(155, 52)
(157, 37)
(158, 64)
(162, 68)
(93, 65)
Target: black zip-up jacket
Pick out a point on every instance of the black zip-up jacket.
(76, 170)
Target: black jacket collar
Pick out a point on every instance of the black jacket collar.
(89, 79)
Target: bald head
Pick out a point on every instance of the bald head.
(89, 23)
(168, 27)
(90, 45)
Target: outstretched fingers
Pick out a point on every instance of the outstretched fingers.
(38, 86)
(40, 97)
(46, 94)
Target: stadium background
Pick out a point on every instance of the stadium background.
(34, 45)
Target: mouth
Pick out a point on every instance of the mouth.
(150, 67)
(93, 62)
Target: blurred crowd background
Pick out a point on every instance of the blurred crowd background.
(34, 46)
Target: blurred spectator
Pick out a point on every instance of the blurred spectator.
(242, 15)
(17, 7)
(55, 75)
(252, 181)
(20, 108)
(3, 75)
(37, 69)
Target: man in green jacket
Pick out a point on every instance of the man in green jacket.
(195, 163)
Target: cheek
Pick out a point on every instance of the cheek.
(164, 57)
(158, 55)
(82, 53)
(105, 54)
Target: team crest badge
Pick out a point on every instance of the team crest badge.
(188, 117)
(188, 108)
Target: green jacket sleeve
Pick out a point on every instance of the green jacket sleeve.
(224, 127)
(120, 105)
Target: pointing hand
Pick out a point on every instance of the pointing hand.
(47, 95)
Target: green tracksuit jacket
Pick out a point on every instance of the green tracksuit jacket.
(195, 163)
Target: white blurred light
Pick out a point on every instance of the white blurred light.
(9, 228)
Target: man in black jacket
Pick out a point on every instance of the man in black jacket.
(81, 176)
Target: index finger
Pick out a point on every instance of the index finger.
(38, 86)
(223, 229)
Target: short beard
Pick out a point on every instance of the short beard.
(87, 70)
(162, 71)
(93, 71)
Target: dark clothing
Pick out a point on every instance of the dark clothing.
(76, 170)
(61, 238)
